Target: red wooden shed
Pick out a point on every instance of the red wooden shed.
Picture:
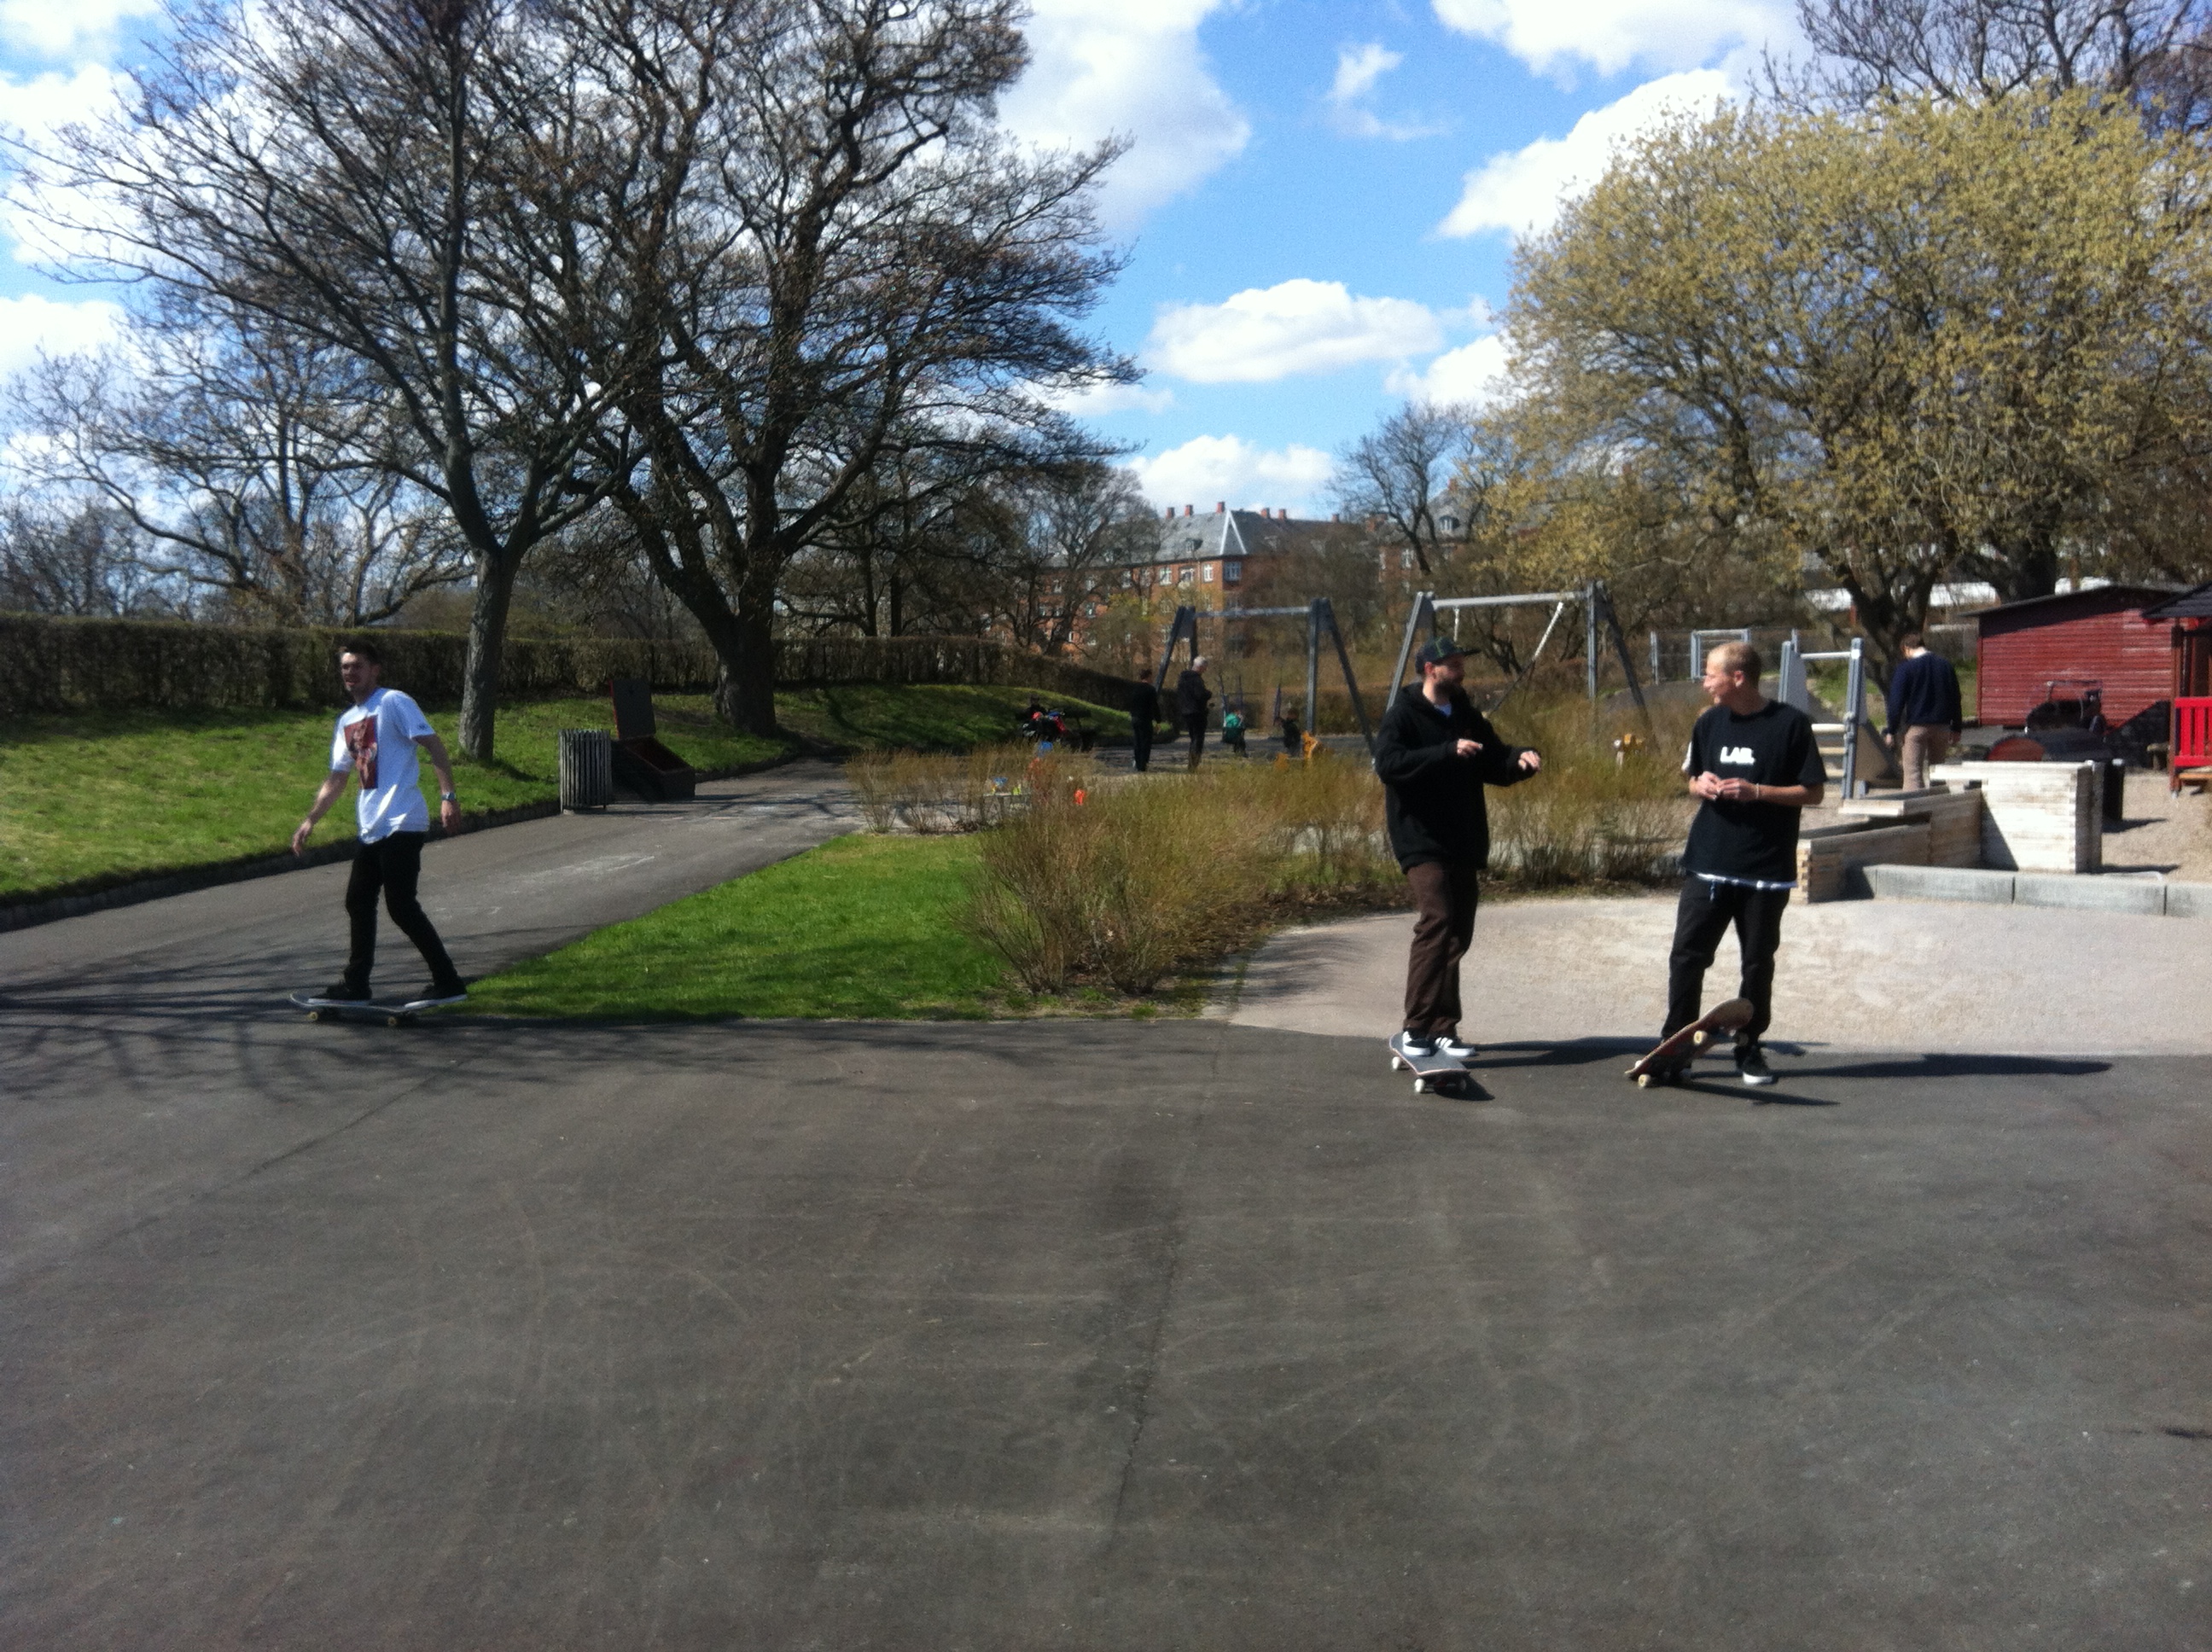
(2100, 635)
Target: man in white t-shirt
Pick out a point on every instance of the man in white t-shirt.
(374, 742)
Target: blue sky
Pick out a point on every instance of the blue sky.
(1320, 199)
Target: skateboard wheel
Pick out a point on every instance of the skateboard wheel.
(395, 1020)
(1421, 1086)
(314, 1015)
(1397, 1064)
(1644, 1081)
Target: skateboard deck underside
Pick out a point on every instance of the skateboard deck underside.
(1694, 1040)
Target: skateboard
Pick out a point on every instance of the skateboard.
(1431, 1072)
(339, 1009)
(1675, 1054)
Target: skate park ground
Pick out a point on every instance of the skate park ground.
(1184, 1334)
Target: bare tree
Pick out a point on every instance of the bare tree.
(78, 557)
(1070, 525)
(1976, 51)
(252, 462)
(354, 172)
(1395, 477)
(830, 258)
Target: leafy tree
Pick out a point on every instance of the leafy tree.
(252, 464)
(352, 173)
(2155, 51)
(1935, 339)
(830, 258)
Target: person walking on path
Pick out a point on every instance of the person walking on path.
(1434, 753)
(1192, 698)
(374, 741)
(1755, 767)
(1144, 712)
(1924, 712)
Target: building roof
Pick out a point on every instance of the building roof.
(2195, 604)
(2125, 593)
(1227, 533)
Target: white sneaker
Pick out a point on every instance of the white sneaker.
(1406, 1043)
(1452, 1048)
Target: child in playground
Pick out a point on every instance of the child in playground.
(1232, 731)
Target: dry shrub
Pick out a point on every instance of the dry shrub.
(1124, 886)
(958, 792)
(1593, 816)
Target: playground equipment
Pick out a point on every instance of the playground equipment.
(1597, 609)
(1320, 616)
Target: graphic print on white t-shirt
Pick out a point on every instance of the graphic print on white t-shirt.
(376, 740)
(361, 740)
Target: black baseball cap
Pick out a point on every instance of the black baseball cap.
(1436, 650)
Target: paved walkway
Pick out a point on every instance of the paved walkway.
(1921, 975)
(1088, 1334)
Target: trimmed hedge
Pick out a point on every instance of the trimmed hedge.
(53, 663)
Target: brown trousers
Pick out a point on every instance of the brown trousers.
(1444, 893)
(1921, 745)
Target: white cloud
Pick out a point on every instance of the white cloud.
(1099, 400)
(1357, 70)
(1135, 69)
(1474, 372)
(1521, 193)
(1206, 469)
(32, 323)
(58, 28)
(1265, 333)
(32, 110)
(1610, 34)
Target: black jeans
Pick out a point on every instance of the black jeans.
(1445, 896)
(392, 866)
(1140, 743)
(1703, 917)
(1197, 727)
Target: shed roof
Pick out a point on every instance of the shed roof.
(2190, 604)
(2125, 593)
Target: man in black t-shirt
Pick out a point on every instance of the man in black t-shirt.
(1754, 765)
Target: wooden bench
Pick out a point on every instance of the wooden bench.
(2190, 758)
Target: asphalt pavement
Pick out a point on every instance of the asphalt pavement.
(1113, 1334)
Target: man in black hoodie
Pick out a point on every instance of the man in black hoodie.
(1434, 753)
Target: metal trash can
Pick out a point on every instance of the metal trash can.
(587, 770)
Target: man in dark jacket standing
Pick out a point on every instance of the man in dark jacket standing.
(1434, 753)
(1192, 698)
(1144, 712)
(1924, 713)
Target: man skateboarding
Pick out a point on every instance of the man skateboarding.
(1434, 753)
(375, 742)
(1754, 769)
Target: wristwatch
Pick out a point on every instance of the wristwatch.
(447, 797)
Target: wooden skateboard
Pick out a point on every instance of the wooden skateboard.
(362, 1009)
(1674, 1055)
(1431, 1072)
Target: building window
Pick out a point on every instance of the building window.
(1182, 576)
(1231, 572)
(1207, 573)
(1405, 559)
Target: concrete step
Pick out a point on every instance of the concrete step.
(2081, 892)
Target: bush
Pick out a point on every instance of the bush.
(958, 792)
(1596, 814)
(54, 663)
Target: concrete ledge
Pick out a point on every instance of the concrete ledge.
(1941, 883)
(2141, 896)
(2189, 899)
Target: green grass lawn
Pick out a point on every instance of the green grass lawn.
(102, 796)
(860, 927)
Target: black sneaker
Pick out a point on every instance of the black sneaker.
(344, 992)
(446, 992)
(1751, 1065)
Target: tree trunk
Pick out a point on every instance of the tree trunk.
(487, 642)
(745, 691)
